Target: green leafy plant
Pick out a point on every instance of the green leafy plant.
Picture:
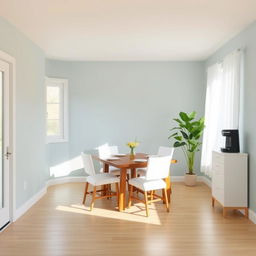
(187, 136)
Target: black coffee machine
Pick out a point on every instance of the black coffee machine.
(232, 141)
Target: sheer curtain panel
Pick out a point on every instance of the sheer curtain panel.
(222, 105)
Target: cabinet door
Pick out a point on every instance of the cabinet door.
(235, 181)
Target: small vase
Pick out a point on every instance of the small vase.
(132, 154)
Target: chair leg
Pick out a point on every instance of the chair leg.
(130, 196)
(117, 194)
(93, 198)
(166, 200)
(152, 195)
(85, 191)
(146, 202)
(109, 190)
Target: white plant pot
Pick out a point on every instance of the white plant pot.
(190, 179)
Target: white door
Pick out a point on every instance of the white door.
(4, 144)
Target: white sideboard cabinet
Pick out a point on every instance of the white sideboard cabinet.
(230, 181)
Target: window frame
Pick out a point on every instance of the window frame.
(63, 85)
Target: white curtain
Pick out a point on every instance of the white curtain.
(222, 105)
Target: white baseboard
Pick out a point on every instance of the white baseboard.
(177, 178)
(252, 216)
(63, 180)
(199, 178)
(26, 206)
(205, 180)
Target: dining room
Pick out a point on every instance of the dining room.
(127, 128)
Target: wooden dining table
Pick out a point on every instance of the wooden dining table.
(125, 163)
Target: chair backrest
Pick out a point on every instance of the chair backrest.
(113, 150)
(88, 164)
(104, 151)
(165, 151)
(158, 167)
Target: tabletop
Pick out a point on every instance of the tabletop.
(126, 162)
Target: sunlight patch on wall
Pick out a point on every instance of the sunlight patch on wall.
(66, 167)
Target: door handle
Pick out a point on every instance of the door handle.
(7, 154)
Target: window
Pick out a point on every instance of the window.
(57, 114)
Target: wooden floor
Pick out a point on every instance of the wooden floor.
(59, 225)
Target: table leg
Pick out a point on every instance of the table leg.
(122, 192)
(133, 175)
(168, 188)
(104, 187)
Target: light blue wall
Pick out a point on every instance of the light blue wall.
(115, 102)
(247, 41)
(30, 111)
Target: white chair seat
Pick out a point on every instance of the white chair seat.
(147, 185)
(142, 171)
(102, 179)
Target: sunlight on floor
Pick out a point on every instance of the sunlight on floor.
(135, 213)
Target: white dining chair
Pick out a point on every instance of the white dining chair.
(106, 151)
(113, 150)
(158, 169)
(162, 151)
(97, 180)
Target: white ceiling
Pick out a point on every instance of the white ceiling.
(129, 29)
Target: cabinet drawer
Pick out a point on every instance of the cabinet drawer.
(218, 168)
(218, 159)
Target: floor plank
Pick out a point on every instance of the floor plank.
(60, 225)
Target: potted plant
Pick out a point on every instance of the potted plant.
(187, 136)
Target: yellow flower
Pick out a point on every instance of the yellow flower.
(132, 144)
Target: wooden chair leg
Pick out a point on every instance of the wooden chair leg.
(109, 190)
(130, 196)
(163, 196)
(151, 196)
(93, 198)
(117, 194)
(166, 200)
(146, 202)
(213, 201)
(85, 191)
